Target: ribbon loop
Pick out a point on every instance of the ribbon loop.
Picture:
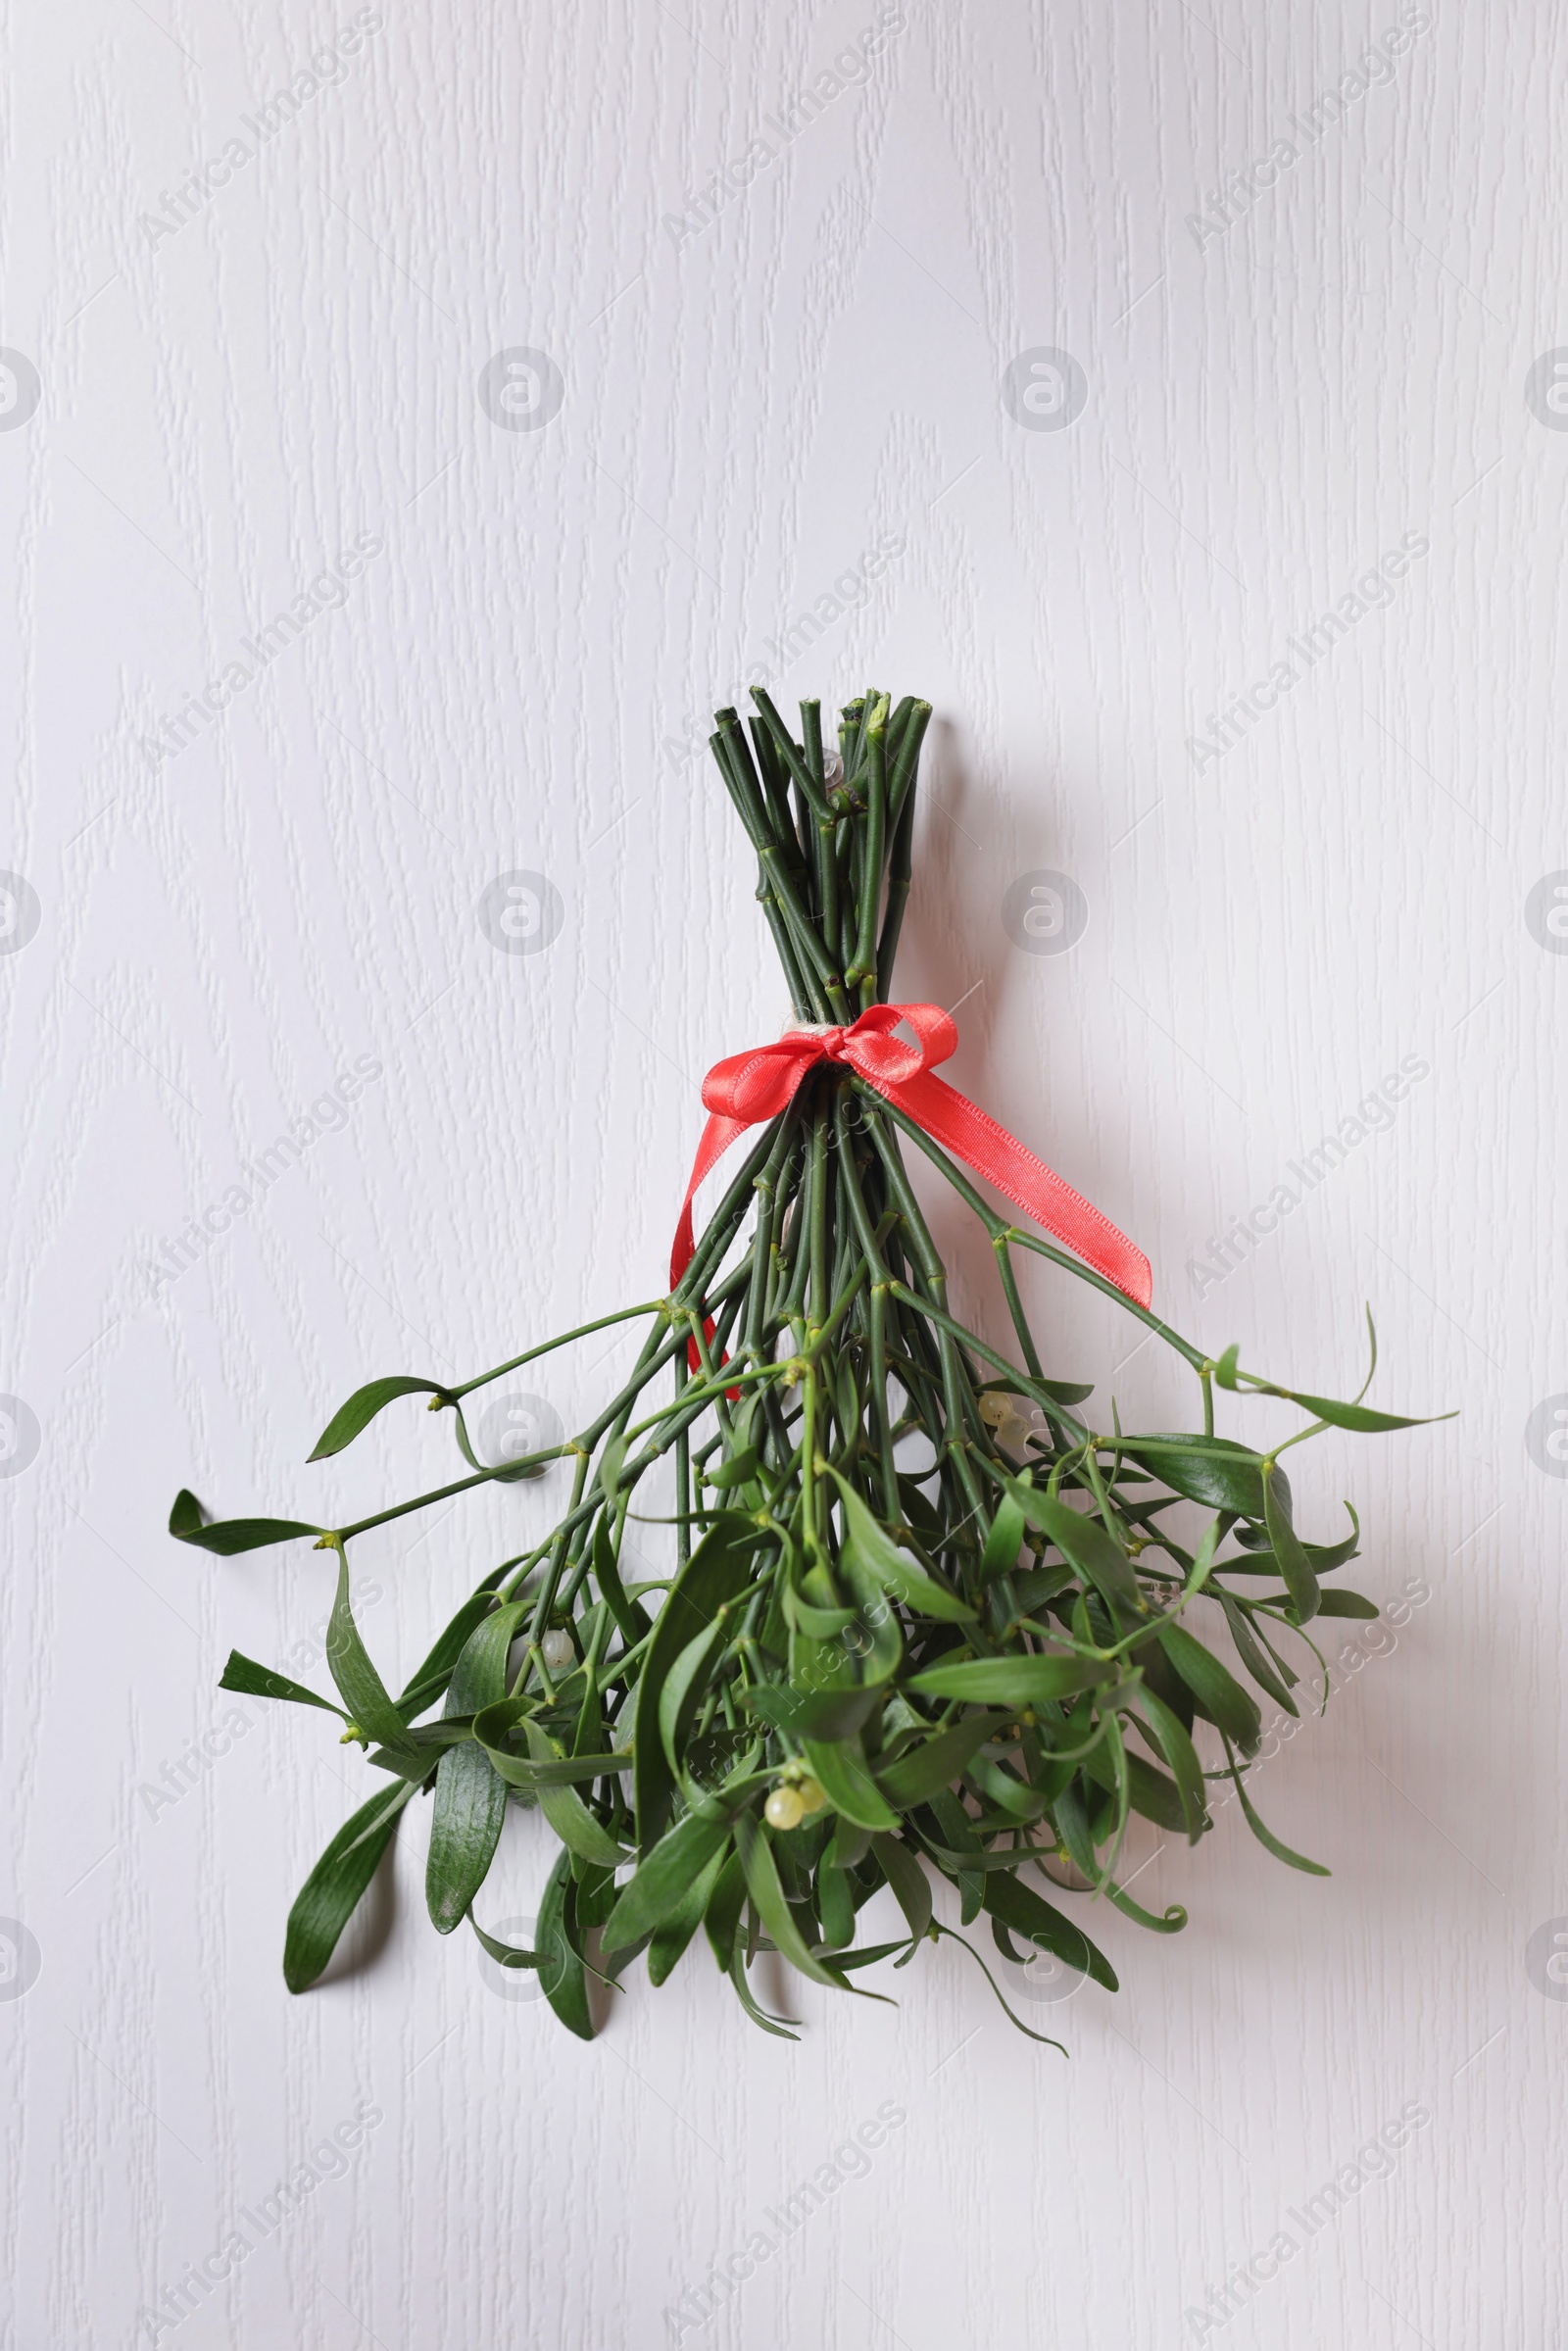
(750, 1087)
(754, 1086)
(875, 1053)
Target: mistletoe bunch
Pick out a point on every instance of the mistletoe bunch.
(927, 1616)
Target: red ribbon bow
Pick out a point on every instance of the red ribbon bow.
(754, 1086)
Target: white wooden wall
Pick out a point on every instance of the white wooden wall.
(195, 425)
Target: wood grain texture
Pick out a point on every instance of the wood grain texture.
(519, 681)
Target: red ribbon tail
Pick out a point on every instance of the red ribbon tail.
(953, 1120)
(717, 1136)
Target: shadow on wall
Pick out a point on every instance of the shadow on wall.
(962, 946)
